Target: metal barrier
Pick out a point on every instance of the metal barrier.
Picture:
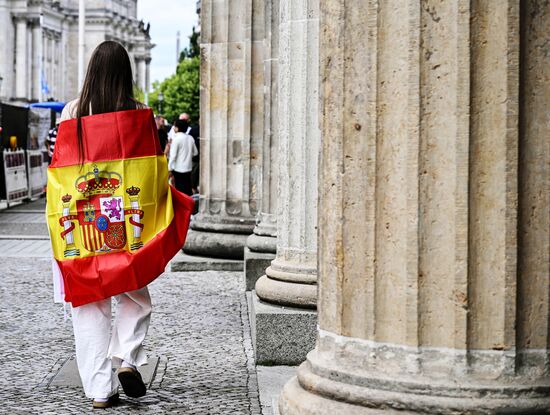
(15, 175)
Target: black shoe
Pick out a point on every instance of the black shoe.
(131, 382)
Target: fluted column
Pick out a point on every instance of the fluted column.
(147, 74)
(36, 59)
(52, 72)
(434, 227)
(21, 82)
(141, 73)
(291, 278)
(231, 127)
(262, 244)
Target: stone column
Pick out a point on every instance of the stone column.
(51, 77)
(262, 244)
(36, 59)
(45, 63)
(21, 82)
(57, 66)
(147, 74)
(434, 264)
(140, 72)
(284, 338)
(231, 127)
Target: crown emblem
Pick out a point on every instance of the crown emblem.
(98, 182)
(133, 191)
(67, 198)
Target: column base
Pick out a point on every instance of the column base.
(286, 293)
(353, 376)
(218, 237)
(255, 264)
(295, 400)
(215, 244)
(281, 335)
(262, 243)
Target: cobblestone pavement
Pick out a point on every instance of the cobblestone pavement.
(199, 329)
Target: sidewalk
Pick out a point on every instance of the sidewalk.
(199, 333)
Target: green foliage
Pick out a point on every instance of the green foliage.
(181, 91)
(138, 94)
(194, 49)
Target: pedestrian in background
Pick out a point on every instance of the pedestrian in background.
(194, 131)
(50, 141)
(163, 135)
(182, 151)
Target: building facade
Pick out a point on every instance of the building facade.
(39, 47)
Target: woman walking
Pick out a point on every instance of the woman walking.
(114, 223)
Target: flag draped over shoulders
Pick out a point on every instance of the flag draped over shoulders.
(114, 221)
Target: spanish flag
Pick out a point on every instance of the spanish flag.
(114, 221)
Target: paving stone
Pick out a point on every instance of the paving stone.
(271, 380)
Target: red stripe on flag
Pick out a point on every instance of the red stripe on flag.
(96, 242)
(102, 276)
(103, 140)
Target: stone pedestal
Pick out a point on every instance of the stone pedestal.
(281, 335)
(291, 278)
(231, 127)
(260, 248)
(434, 234)
(255, 264)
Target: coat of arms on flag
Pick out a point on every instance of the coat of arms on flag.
(101, 214)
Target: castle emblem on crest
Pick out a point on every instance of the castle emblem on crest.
(101, 214)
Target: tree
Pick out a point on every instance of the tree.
(194, 49)
(181, 91)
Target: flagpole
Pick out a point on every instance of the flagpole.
(81, 42)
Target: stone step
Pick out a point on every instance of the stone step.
(26, 237)
(184, 263)
(22, 228)
(68, 376)
(25, 248)
(271, 380)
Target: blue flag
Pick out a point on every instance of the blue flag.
(43, 84)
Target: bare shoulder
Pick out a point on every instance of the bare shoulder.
(69, 111)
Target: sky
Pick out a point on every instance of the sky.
(166, 18)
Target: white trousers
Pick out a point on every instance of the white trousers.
(97, 348)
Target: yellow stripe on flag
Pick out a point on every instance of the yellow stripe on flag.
(136, 183)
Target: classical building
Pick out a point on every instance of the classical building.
(421, 127)
(39, 47)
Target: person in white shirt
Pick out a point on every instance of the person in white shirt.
(180, 162)
(183, 116)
